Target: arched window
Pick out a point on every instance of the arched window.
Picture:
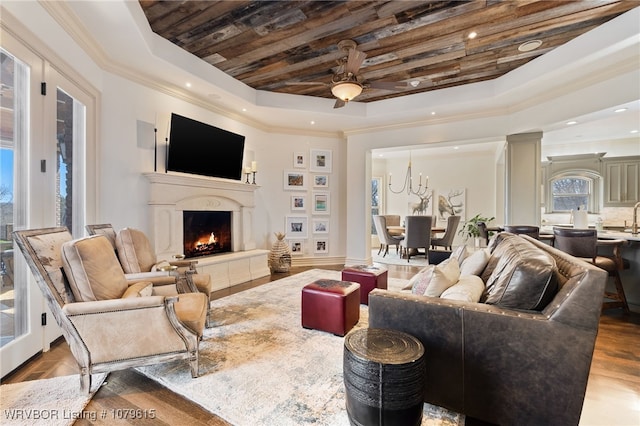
(575, 189)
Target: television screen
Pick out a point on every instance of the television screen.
(202, 149)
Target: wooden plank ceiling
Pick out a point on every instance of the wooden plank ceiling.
(272, 45)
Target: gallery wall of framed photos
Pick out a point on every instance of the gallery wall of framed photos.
(307, 225)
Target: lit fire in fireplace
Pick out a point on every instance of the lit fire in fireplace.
(206, 244)
(206, 233)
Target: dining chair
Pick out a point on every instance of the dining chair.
(530, 230)
(384, 236)
(417, 235)
(393, 220)
(449, 234)
(583, 243)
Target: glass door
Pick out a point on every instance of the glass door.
(20, 300)
(43, 156)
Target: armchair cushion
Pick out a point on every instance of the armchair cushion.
(92, 269)
(139, 289)
(192, 309)
(135, 251)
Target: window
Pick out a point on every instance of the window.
(573, 190)
(376, 200)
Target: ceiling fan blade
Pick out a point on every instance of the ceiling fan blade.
(354, 61)
(339, 103)
(388, 85)
(306, 83)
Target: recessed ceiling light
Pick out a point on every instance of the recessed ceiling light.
(433, 113)
(634, 131)
(313, 122)
(569, 123)
(188, 84)
(456, 147)
(620, 110)
(530, 45)
(472, 35)
(244, 110)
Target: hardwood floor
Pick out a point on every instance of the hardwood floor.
(613, 392)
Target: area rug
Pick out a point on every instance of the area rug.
(258, 366)
(47, 402)
(394, 259)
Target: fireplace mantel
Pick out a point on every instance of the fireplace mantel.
(171, 194)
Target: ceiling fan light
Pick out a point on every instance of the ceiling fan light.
(346, 90)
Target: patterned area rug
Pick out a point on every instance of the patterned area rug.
(258, 366)
(394, 259)
(48, 402)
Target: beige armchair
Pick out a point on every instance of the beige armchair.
(108, 323)
(137, 256)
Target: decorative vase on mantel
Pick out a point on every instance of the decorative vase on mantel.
(280, 255)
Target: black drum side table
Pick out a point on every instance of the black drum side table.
(384, 377)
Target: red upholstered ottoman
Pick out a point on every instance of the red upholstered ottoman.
(369, 277)
(331, 305)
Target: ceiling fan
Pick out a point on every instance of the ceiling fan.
(345, 85)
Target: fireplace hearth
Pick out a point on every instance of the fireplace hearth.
(206, 233)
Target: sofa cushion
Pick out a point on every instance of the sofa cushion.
(469, 288)
(475, 263)
(523, 276)
(434, 279)
(92, 269)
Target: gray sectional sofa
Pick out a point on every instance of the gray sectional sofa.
(495, 361)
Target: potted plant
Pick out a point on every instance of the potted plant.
(471, 229)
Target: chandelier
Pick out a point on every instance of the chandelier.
(408, 183)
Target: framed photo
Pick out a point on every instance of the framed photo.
(297, 247)
(300, 160)
(295, 180)
(320, 181)
(321, 203)
(298, 203)
(321, 245)
(449, 202)
(296, 227)
(320, 160)
(320, 226)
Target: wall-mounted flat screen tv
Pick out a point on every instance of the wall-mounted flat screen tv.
(202, 149)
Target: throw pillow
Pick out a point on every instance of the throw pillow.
(93, 271)
(459, 254)
(474, 264)
(436, 278)
(469, 288)
(524, 276)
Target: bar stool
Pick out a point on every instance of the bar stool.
(583, 243)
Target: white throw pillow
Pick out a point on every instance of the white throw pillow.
(469, 288)
(459, 254)
(475, 264)
(435, 279)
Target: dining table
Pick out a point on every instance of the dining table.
(399, 230)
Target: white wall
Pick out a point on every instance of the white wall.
(124, 191)
(475, 173)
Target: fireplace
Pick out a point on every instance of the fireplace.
(172, 195)
(206, 233)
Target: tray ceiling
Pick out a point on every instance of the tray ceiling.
(273, 45)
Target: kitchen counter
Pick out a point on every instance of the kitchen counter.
(609, 235)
